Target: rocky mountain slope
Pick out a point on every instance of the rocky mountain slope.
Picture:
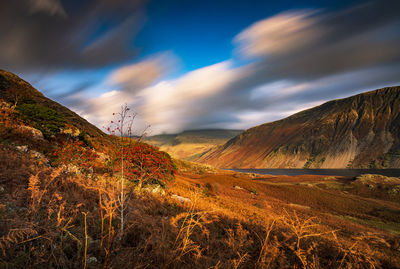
(362, 131)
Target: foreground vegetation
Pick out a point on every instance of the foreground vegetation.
(55, 217)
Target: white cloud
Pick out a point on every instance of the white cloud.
(278, 34)
(304, 59)
(141, 75)
(170, 105)
(167, 105)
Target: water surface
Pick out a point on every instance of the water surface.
(323, 172)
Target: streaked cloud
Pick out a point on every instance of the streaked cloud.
(173, 105)
(299, 59)
(51, 35)
(280, 34)
(289, 61)
(141, 75)
(167, 105)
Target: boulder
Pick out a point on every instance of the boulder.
(180, 198)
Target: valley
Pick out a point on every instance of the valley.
(144, 134)
(189, 145)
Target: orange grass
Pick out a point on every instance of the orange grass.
(257, 226)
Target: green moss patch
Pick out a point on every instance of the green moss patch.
(47, 120)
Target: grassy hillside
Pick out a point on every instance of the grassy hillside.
(189, 145)
(361, 131)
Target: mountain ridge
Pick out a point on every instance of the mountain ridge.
(361, 131)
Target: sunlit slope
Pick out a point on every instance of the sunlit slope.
(360, 131)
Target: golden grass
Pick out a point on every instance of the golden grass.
(51, 218)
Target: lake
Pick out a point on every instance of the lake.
(323, 172)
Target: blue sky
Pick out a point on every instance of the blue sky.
(200, 64)
(201, 32)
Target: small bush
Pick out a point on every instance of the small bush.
(144, 164)
(207, 190)
(75, 153)
(254, 191)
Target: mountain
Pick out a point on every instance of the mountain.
(190, 144)
(362, 131)
(23, 105)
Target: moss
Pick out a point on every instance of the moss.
(43, 118)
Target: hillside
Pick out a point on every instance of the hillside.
(188, 145)
(362, 131)
(30, 108)
(64, 203)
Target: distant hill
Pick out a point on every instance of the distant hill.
(362, 131)
(190, 144)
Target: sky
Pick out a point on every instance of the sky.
(199, 64)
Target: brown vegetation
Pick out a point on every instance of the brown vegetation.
(52, 218)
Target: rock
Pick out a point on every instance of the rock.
(238, 188)
(102, 157)
(155, 189)
(37, 155)
(180, 198)
(158, 190)
(92, 260)
(35, 133)
(5, 105)
(22, 148)
(299, 206)
(72, 169)
(70, 130)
